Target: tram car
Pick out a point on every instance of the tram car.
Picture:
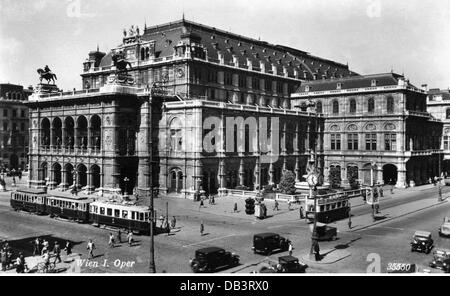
(131, 217)
(29, 200)
(330, 208)
(69, 207)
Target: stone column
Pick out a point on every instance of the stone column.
(271, 174)
(51, 183)
(297, 169)
(90, 181)
(222, 176)
(256, 173)
(241, 172)
(63, 185)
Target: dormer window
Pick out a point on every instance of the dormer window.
(339, 85)
(213, 37)
(252, 47)
(264, 50)
(227, 40)
(307, 88)
(239, 43)
(373, 83)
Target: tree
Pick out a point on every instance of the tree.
(287, 182)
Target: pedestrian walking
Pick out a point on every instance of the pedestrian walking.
(290, 248)
(202, 228)
(301, 212)
(68, 248)
(381, 191)
(111, 240)
(168, 229)
(119, 236)
(317, 251)
(275, 207)
(46, 257)
(3, 259)
(440, 193)
(130, 238)
(36, 247)
(174, 222)
(289, 205)
(20, 263)
(349, 221)
(57, 252)
(235, 208)
(44, 247)
(90, 247)
(161, 219)
(201, 203)
(213, 200)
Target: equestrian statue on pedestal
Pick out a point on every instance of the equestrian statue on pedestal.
(46, 74)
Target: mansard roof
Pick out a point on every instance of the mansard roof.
(354, 82)
(215, 41)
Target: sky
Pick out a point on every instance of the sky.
(373, 36)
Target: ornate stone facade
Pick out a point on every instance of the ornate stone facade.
(377, 130)
(13, 126)
(151, 127)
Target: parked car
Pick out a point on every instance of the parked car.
(444, 229)
(325, 232)
(422, 242)
(266, 243)
(441, 260)
(213, 258)
(285, 264)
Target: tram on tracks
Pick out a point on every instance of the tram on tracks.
(69, 207)
(131, 217)
(29, 200)
(329, 207)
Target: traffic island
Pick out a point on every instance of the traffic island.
(327, 256)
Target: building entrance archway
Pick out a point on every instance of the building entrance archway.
(390, 174)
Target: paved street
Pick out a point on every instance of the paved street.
(389, 238)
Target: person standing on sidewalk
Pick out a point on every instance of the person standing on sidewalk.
(301, 212)
(57, 252)
(68, 248)
(174, 222)
(349, 221)
(317, 251)
(439, 192)
(290, 248)
(275, 207)
(235, 208)
(37, 246)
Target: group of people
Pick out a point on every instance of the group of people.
(167, 225)
(42, 247)
(211, 200)
(112, 241)
(5, 255)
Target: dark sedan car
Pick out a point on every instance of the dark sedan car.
(441, 260)
(212, 258)
(266, 243)
(422, 242)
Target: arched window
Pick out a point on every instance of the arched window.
(176, 138)
(447, 113)
(390, 105)
(335, 107)
(352, 106)
(319, 107)
(371, 105)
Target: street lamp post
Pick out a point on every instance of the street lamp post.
(75, 184)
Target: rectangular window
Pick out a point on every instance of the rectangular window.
(268, 84)
(22, 127)
(125, 214)
(117, 213)
(228, 78)
(335, 141)
(255, 83)
(446, 142)
(242, 80)
(109, 212)
(279, 87)
(5, 112)
(390, 142)
(371, 142)
(352, 141)
(5, 126)
(212, 76)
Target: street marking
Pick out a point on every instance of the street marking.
(277, 226)
(209, 240)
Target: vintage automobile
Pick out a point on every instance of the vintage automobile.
(325, 232)
(266, 243)
(444, 229)
(212, 258)
(441, 260)
(422, 242)
(286, 264)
